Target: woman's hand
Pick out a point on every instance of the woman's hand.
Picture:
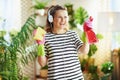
(39, 36)
(91, 36)
(84, 48)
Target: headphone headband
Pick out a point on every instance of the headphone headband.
(50, 17)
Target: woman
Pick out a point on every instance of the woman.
(61, 47)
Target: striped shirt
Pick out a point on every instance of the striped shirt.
(61, 50)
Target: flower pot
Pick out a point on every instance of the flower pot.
(43, 73)
(40, 12)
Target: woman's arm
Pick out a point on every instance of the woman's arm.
(84, 48)
(81, 46)
(42, 60)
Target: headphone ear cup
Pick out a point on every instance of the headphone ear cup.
(50, 18)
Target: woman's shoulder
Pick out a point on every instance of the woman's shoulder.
(48, 34)
(71, 32)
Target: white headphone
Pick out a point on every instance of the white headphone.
(50, 17)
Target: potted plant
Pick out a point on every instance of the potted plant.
(14, 53)
(93, 70)
(39, 7)
(107, 69)
(44, 71)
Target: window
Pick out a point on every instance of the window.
(10, 15)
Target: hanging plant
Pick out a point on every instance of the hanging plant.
(39, 5)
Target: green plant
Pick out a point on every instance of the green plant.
(14, 53)
(2, 33)
(107, 67)
(93, 70)
(70, 10)
(45, 67)
(93, 49)
(81, 15)
(83, 64)
(69, 7)
(39, 5)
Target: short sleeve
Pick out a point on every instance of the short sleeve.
(78, 41)
(46, 50)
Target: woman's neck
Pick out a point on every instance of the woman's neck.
(62, 31)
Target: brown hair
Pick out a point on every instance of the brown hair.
(52, 10)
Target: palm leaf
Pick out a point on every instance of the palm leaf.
(81, 15)
(9, 58)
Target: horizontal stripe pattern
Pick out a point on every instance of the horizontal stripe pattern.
(61, 50)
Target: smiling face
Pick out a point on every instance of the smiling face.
(60, 20)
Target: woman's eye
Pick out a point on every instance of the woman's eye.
(58, 17)
(65, 17)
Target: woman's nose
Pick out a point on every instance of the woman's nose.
(62, 19)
